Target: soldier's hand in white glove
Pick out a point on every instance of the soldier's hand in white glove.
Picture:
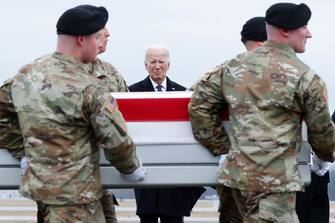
(23, 165)
(222, 160)
(137, 175)
(319, 166)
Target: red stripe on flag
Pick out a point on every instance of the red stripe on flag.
(156, 109)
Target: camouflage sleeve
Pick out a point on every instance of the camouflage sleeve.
(205, 107)
(110, 129)
(121, 83)
(209, 72)
(193, 86)
(320, 128)
(10, 132)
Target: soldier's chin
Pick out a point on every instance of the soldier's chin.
(102, 49)
(89, 60)
(300, 49)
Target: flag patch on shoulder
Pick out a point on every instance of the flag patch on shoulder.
(111, 104)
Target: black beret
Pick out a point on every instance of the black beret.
(288, 15)
(254, 29)
(82, 20)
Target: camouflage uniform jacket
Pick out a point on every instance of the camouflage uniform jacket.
(65, 117)
(110, 78)
(10, 132)
(268, 92)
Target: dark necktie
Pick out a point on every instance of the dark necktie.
(159, 87)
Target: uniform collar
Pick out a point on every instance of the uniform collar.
(280, 46)
(69, 59)
(99, 69)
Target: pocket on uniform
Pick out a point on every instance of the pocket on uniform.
(277, 210)
(267, 211)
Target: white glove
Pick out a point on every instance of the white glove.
(222, 160)
(24, 165)
(319, 166)
(137, 175)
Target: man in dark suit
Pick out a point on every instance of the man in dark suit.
(168, 204)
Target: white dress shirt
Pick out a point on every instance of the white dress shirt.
(163, 84)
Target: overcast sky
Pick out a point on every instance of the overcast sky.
(199, 33)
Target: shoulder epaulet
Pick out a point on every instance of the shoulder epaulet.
(8, 81)
(43, 57)
(309, 75)
(213, 72)
(25, 69)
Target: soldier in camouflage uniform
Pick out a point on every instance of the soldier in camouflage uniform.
(253, 35)
(11, 138)
(268, 91)
(65, 117)
(112, 80)
(109, 77)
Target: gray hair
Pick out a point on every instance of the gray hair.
(156, 47)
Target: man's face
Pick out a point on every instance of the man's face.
(298, 38)
(103, 35)
(91, 45)
(157, 64)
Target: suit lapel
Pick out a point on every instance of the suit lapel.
(169, 85)
(147, 85)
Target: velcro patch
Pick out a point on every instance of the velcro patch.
(111, 105)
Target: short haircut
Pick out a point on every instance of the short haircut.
(156, 47)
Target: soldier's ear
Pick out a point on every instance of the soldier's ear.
(80, 40)
(284, 32)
